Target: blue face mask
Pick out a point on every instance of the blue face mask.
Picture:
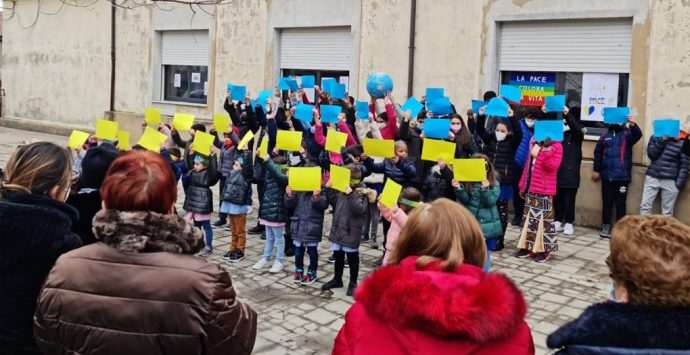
(311, 130)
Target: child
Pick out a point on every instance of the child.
(532, 114)
(198, 200)
(346, 228)
(667, 172)
(273, 213)
(306, 226)
(481, 198)
(228, 153)
(437, 183)
(234, 204)
(397, 216)
(568, 173)
(173, 156)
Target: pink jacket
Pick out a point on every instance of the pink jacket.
(397, 221)
(391, 129)
(320, 139)
(545, 172)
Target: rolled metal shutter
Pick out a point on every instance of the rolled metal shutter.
(316, 48)
(593, 46)
(185, 48)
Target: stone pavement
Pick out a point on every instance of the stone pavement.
(297, 319)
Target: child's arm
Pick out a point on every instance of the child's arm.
(461, 194)
(683, 171)
(319, 137)
(342, 125)
(230, 109)
(517, 131)
(373, 166)
(598, 154)
(212, 170)
(409, 169)
(247, 171)
(489, 197)
(358, 203)
(551, 158)
(177, 139)
(386, 212)
(290, 200)
(322, 203)
(400, 218)
(655, 148)
(481, 130)
(273, 170)
(635, 134)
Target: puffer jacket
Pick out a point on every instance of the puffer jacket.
(140, 290)
(272, 207)
(524, 147)
(437, 184)
(34, 232)
(668, 160)
(543, 177)
(613, 153)
(403, 172)
(199, 197)
(306, 223)
(238, 183)
(501, 153)
(414, 147)
(569, 171)
(482, 204)
(227, 154)
(348, 216)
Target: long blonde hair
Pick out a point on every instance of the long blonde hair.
(441, 231)
(37, 168)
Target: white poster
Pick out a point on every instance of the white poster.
(310, 94)
(196, 77)
(345, 80)
(177, 82)
(205, 88)
(598, 91)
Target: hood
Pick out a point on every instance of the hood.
(451, 305)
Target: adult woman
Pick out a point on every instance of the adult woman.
(135, 290)
(649, 312)
(34, 230)
(461, 135)
(434, 298)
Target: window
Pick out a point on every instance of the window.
(342, 77)
(184, 60)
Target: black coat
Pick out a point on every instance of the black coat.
(306, 223)
(618, 328)
(87, 204)
(348, 216)
(437, 185)
(414, 147)
(272, 207)
(238, 183)
(569, 171)
(668, 160)
(199, 198)
(34, 232)
(501, 154)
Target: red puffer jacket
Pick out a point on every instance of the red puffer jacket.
(402, 310)
(544, 179)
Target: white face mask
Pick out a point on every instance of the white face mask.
(381, 125)
(242, 107)
(500, 136)
(287, 105)
(566, 128)
(295, 160)
(529, 123)
(268, 108)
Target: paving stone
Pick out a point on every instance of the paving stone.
(321, 316)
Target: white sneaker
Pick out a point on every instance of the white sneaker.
(250, 209)
(277, 267)
(558, 226)
(261, 264)
(568, 229)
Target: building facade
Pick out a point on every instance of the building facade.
(58, 73)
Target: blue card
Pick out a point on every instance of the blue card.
(263, 96)
(548, 129)
(304, 112)
(308, 81)
(497, 107)
(555, 103)
(237, 93)
(667, 127)
(292, 84)
(327, 84)
(338, 91)
(329, 113)
(434, 93)
(512, 93)
(440, 107)
(283, 85)
(414, 106)
(436, 128)
(477, 104)
(616, 114)
(362, 110)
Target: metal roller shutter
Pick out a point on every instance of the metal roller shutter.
(593, 46)
(316, 48)
(185, 48)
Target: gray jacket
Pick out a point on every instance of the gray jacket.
(348, 216)
(306, 223)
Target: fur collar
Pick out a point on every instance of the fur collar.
(469, 304)
(619, 325)
(146, 232)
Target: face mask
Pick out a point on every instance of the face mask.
(420, 127)
(455, 128)
(243, 106)
(295, 160)
(566, 128)
(500, 136)
(529, 123)
(612, 293)
(287, 105)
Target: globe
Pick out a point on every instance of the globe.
(378, 84)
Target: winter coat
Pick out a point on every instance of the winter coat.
(613, 153)
(306, 223)
(141, 291)
(400, 309)
(244, 123)
(227, 154)
(501, 153)
(543, 177)
(482, 204)
(397, 221)
(464, 151)
(668, 161)
(523, 149)
(272, 207)
(403, 172)
(414, 148)
(238, 183)
(437, 185)
(34, 232)
(348, 216)
(569, 171)
(618, 328)
(199, 197)
(87, 202)
(320, 137)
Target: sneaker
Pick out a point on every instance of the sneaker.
(499, 244)
(250, 209)
(522, 253)
(605, 231)
(558, 226)
(332, 284)
(259, 229)
(207, 252)
(309, 279)
(351, 288)
(229, 256)
(219, 223)
(239, 256)
(516, 222)
(568, 229)
(542, 257)
(331, 259)
(297, 277)
(378, 262)
(261, 264)
(276, 268)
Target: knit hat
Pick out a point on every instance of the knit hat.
(240, 160)
(95, 165)
(201, 159)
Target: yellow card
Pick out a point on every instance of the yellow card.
(289, 140)
(382, 148)
(77, 139)
(340, 177)
(152, 140)
(390, 194)
(304, 179)
(203, 142)
(335, 140)
(221, 122)
(152, 116)
(183, 121)
(263, 148)
(469, 170)
(247, 137)
(106, 129)
(123, 140)
(434, 149)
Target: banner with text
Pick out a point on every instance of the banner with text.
(534, 85)
(598, 91)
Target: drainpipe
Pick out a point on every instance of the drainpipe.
(410, 61)
(112, 57)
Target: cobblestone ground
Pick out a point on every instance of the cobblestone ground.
(304, 320)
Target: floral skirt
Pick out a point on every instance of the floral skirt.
(539, 233)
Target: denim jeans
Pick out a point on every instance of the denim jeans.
(275, 235)
(313, 258)
(206, 226)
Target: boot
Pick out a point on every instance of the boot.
(259, 229)
(499, 244)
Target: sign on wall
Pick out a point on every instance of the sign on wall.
(534, 85)
(598, 91)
